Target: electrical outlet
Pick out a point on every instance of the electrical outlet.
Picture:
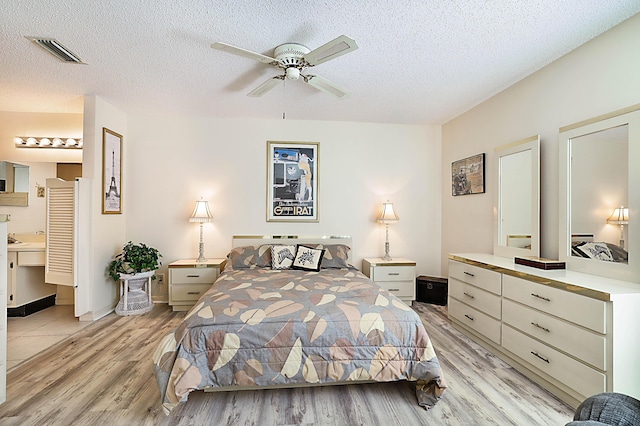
(160, 280)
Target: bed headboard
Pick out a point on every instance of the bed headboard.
(256, 240)
(581, 237)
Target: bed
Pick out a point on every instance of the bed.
(323, 323)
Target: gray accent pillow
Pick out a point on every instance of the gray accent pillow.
(247, 257)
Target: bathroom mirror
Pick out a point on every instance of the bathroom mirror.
(595, 176)
(517, 199)
(14, 184)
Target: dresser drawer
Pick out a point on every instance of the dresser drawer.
(474, 319)
(399, 288)
(582, 310)
(188, 292)
(585, 380)
(393, 273)
(193, 275)
(482, 300)
(480, 277)
(577, 341)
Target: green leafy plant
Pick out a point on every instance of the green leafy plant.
(133, 259)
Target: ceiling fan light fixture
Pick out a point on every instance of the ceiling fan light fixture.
(292, 73)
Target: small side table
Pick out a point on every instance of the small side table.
(397, 276)
(135, 294)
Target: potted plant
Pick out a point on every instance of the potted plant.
(134, 266)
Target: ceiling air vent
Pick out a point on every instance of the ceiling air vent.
(56, 48)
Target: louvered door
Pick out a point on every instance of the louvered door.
(69, 238)
(60, 232)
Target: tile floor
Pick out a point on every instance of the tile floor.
(26, 336)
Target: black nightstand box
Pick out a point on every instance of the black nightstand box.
(432, 290)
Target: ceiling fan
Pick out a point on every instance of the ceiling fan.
(294, 59)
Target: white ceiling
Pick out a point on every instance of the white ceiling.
(419, 61)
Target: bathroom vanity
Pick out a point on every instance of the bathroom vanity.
(26, 290)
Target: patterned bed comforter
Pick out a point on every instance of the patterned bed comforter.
(263, 327)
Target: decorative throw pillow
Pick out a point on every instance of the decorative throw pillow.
(250, 257)
(308, 258)
(282, 256)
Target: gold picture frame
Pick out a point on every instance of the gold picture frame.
(111, 172)
(292, 181)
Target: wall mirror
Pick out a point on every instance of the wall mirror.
(517, 199)
(597, 204)
(14, 184)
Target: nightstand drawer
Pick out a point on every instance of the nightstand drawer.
(193, 275)
(393, 273)
(398, 288)
(188, 292)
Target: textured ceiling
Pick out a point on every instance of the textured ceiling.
(419, 61)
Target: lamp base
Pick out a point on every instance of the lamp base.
(386, 256)
(201, 257)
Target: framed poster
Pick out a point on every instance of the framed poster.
(292, 181)
(467, 176)
(111, 172)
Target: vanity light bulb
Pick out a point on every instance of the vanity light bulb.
(57, 142)
(31, 141)
(45, 142)
(79, 145)
(18, 141)
(71, 142)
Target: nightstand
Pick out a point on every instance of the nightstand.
(188, 280)
(397, 276)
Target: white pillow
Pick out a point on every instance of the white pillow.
(308, 258)
(282, 256)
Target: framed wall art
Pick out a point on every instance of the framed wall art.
(111, 172)
(292, 181)
(467, 176)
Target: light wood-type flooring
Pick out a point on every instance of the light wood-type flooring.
(102, 375)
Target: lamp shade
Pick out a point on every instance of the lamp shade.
(201, 213)
(387, 215)
(620, 216)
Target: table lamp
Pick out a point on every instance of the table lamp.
(201, 214)
(387, 216)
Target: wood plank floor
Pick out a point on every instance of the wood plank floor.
(103, 376)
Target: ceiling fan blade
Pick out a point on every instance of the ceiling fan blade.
(337, 47)
(244, 53)
(325, 85)
(266, 86)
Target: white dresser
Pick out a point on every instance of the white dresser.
(397, 276)
(574, 333)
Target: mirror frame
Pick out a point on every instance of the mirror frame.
(533, 144)
(623, 271)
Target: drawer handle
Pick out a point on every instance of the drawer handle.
(541, 357)
(469, 316)
(193, 292)
(535, 324)
(469, 273)
(469, 295)
(546, 299)
(193, 276)
(394, 289)
(394, 273)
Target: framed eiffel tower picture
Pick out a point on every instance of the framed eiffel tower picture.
(111, 172)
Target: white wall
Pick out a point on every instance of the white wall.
(108, 231)
(172, 161)
(599, 77)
